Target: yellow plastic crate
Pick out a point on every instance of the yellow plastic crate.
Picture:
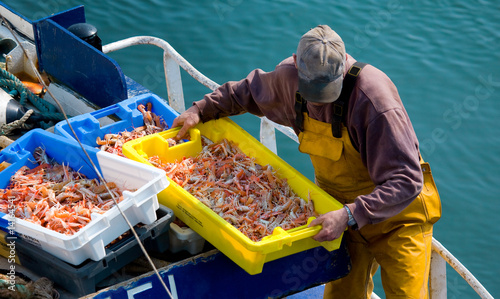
(248, 254)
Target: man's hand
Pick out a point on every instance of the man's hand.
(334, 223)
(187, 120)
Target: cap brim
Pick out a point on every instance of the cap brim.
(320, 92)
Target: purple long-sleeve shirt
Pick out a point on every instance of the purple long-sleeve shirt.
(377, 122)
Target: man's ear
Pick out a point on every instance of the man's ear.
(294, 59)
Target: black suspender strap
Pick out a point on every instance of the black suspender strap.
(341, 105)
(300, 108)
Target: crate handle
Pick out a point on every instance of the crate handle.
(294, 234)
(303, 232)
(113, 109)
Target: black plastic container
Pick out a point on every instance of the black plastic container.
(83, 279)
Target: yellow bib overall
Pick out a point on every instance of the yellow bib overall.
(401, 245)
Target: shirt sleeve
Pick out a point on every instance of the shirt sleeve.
(390, 152)
(260, 93)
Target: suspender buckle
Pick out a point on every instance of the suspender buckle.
(298, 98)
(354, 70)
(338, 108)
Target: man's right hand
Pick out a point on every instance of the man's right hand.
(188, 119)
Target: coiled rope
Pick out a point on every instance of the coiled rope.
(25, 288)
(6, 129)
(15, 87)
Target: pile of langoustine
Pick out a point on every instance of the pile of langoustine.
(55, 196)
(112, 143)
(248, 195)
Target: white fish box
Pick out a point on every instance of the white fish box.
(89, 242)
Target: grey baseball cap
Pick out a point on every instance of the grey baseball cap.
(320, 63)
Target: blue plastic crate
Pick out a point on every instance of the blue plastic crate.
(87, 126)
(20, 153)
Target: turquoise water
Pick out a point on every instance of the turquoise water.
(442, 55)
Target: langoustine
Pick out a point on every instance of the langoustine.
(153, 123)
(57, 197)
(248, 195)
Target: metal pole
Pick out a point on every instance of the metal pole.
(437, 277)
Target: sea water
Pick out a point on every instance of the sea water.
(443, 56)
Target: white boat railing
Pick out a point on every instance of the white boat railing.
(173, 61)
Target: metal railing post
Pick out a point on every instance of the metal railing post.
(174, 83)
(267, 135)
(437, 277)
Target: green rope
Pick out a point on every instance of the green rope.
(11, 84)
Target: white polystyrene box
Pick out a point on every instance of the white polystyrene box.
(89, 242)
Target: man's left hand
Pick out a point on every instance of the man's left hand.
(334, 223)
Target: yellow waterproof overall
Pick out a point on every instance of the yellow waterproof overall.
(401, 245)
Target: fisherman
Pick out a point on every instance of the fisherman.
(350, 119)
